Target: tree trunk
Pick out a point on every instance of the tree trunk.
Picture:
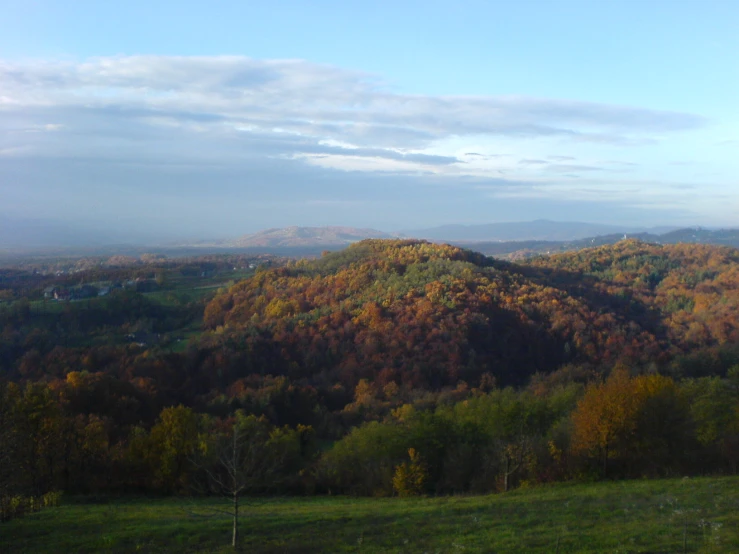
(506, 474)
(236, 521)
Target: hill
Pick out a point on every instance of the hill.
(429, 315)
(291, 237)
(521, 249)
(698, 235)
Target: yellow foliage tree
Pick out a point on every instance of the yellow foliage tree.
(410, 477)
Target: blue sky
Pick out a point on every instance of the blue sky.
(172, 119)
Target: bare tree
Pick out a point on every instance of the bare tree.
(514, 456)
(252, 457)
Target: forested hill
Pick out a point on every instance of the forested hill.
(343, 370)
(426, 315)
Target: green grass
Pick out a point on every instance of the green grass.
(182, 296)
(185, 336)
(636, 516)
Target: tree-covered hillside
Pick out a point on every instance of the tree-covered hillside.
(429, 315)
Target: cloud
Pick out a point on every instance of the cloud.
(16, 151)
(136, 136)
(49, 127)
(172, 110)
(425, 159)
(311, 100)
(567, 168)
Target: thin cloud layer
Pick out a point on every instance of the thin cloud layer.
(297, 97)
(257, 131)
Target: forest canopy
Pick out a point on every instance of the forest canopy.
(391, 367)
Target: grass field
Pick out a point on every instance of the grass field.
(666, 516)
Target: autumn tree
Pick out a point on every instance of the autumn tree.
(411, 476)
(629, 417)
(605, 419)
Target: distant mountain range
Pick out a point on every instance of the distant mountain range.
(526, 248)
(338, 237)
(509, 240)
(541, 229)
(308, 241)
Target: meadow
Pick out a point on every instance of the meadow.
(654, 516)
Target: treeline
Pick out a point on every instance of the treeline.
(624, 426)
(50, 444)
(565, 426)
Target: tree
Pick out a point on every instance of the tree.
(8, 439)
(410, 477)
(606, 417)
(173, 441)
(38, 420)
(638, 419)
(251, 456)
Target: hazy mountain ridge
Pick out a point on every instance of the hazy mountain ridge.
(496, 239)
(523, 249)
(541, 229)
(305, 236)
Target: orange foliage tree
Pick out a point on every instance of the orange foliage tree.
(616, 418)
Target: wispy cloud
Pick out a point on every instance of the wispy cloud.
(562, 158)
(225, 94)
(567, 168)
(258, 130)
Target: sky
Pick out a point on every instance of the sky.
(162, 120)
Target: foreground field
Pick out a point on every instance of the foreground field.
(668, 516)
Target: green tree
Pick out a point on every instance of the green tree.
(9, 447)
(38, 423)
(173, 441)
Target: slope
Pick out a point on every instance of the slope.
(430, 315)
